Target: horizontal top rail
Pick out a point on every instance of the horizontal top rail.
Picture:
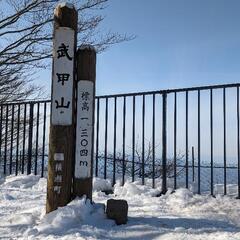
(21, 102)
(173, 90)
(208, 87)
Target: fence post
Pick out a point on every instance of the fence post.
(164, 143)
(6, 142)
(11, 140)
(43, 139)
(24, 136)
(30, 136)
(86, 75)
(193, 165)
(61, 144)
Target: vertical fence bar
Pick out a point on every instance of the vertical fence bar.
(186, 139)
(1, 129)
(143, 139)
(36, 146)
(24, 136)
(44, 136)
(238, 142)
(30, 136)
(114, 140)
(97, 138)
(199, 143)
(211, 139)
(193, 165)
(164, 143)
(6, 141)
(175, 140)
(133, 141)
(106, 139)
(224, 141)
(17, 147)
(153, 142)
(124, 140)
(20, 158)
(11, 142)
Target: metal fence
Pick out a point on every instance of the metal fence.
(24, 137)
(146, 136)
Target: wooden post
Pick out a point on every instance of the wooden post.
(61, 139)
(86, 75)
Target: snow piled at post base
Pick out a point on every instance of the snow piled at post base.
(180, 215)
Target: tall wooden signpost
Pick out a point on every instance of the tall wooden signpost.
(86, 75)
(72, 116)
(62, 130)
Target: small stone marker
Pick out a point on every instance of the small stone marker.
(117, 210)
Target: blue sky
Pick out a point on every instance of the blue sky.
(179, 43)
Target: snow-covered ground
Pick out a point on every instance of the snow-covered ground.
(180, 215)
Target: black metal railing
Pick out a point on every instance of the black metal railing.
(142, 136)
(165, 123)
(23, 137)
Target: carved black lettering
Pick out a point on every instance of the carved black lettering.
(61, 104)
(63, 77)
(63, 51)
(83, 163)
(84, 142)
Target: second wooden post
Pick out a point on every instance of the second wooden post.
(86, 75)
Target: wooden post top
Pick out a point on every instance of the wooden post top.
(65, 15)
(86, 57)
